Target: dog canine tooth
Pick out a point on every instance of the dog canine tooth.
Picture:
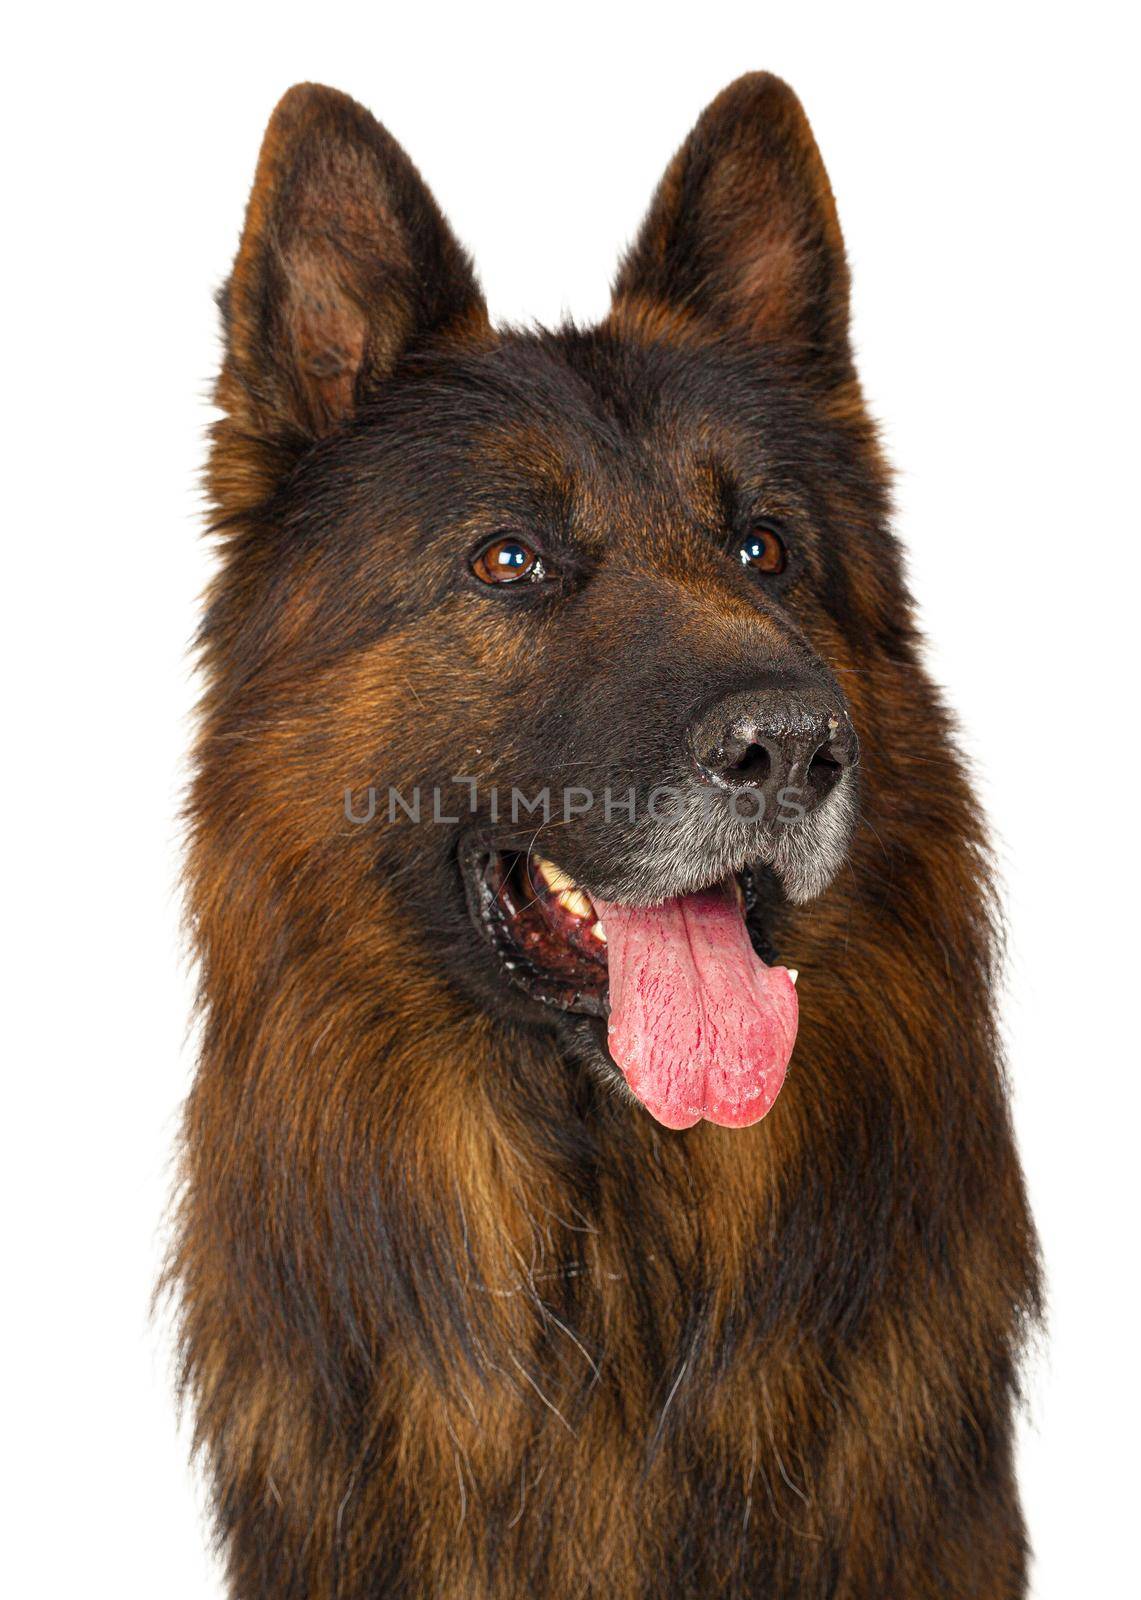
(565, 890)
(574, 901)
(793, 973)
(599, 932)
(556, 880)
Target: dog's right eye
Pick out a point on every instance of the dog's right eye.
(507, 560)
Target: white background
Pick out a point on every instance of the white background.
(985, 168)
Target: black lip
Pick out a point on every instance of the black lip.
(485, 865)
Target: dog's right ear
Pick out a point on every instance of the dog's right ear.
(345, 263)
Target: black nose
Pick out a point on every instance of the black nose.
(787, 745)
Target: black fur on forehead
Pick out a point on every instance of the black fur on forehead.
(605, 395)
(414, 462)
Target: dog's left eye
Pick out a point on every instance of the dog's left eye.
(762, 550)
(507, 560)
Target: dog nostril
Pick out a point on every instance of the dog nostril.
(752, 766)
(823, 772)
(780, 740)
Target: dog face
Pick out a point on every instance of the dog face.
(591, 618)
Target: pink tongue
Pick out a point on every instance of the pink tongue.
(698, 1024)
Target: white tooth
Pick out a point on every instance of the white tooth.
(554, 877)
(599, 932)
(793, 973)
(574, 901)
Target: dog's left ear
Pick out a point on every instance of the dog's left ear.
(345, 264)
(742, 233)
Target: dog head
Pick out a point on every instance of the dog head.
(550, 650)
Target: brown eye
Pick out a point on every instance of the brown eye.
(763, 551)
(507, 560)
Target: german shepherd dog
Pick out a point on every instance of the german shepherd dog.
(563, 703)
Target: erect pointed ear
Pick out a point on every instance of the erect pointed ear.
(345, 262)
(743, 231)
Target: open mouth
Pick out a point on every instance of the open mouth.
(544, 928)
(700, 1026)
